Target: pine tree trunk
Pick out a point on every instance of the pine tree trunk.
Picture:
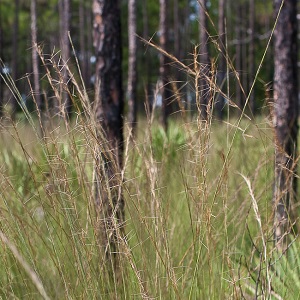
(238, 59)
(251, 53)
(109, 115)
(82, 42)
(184, 49)
(147, 62)
(244, 56)
(285, 118)
(15, 42)
(222, 59)
(132, 65)
(64, 11)
(204, 85)
(88, 25)
(15, 56)
(35, 58)
(164, 63)
(176, 26)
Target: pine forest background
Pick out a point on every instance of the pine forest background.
(190, 191)
(245, 41)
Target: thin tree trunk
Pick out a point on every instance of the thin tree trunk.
(90, 50)
(35, 58)
(204, 61)
(270, 53)
(184, 49)
(251, 52)
(82, 42)
(15, 41)
(238, 59)
(244, 57)
(164, 67)
(285, 118)
(109, 115)
(132, 65)
(176, 29)
(222, 58)
(15, 56)
(178, 43)
(147, 62)
(64, 11)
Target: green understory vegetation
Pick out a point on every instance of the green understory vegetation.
(198, 214)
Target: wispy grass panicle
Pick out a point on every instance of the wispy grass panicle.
(192, 229)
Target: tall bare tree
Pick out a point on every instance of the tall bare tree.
(132, 65)
(176, 27)
(164, 62)
(204, 60)
(15, 41)
(147, 62)
(89, 46)
(222, 57)
(285, 116)
(15, 46)
(64, 20)
(35, 58)
(244, 25)
(238, 55)
(109, 115)
(251, 52)
(82, 41)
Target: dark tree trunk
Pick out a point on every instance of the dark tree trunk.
(183, 51)
(82, 42)
(285, 117)
(238, 58)
(109, 115)
(15, 56)
(204, 85)
(147, 72)
(251, 53)
(35, 58)
(222, 59)
(176, 28)
(90, 50)
(132, 66)
(179, 42)
(244, 57)
(270, 54)
(64, 11)
(15, 42)
(164, 63)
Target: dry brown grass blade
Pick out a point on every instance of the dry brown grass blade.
(258, 218)
(32, 275)
(184, 67)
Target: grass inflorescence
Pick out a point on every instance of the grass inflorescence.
(198, 211)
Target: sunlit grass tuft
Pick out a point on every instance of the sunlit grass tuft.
(198, 211)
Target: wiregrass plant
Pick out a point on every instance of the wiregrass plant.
(198, 220)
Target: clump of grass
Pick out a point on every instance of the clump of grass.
(190, 229)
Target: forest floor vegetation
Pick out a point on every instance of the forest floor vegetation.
(198, 219)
